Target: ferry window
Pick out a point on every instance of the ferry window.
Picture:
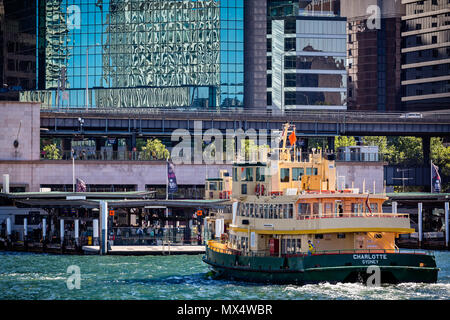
(316, 208)
(308, 171)
(251, 210)
(271, 211)
(220, 186)
(299, 245)
(235, 174)
(291, 211)
(328, 207)
(341, 235)
(257, 210)
(284, 211)
(374, 207)
(247, 174)
(213, 186)
(243, 188)
(318, 236)
(260, 174)
(266, 211)
(284, 175)
(297, 174)
(315, 171)
(354, 208)
(304, 208)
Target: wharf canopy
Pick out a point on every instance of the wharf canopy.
(91, 200)
(140, 53)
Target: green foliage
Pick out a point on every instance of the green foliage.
(251, 148)
(51, 152)
(344, 141)
(405, 151)
(154, 150)
(440, 155)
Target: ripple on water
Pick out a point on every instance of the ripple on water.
(34, 276)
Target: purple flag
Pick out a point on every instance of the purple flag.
(171, 178)
(81, 186)
(435, 179)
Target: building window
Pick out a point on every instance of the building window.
(290, 62)
(260, 174)
(290, 44)
(318, 236)
(290, 80)
(290, 26)
(290, 98)
(244, 188)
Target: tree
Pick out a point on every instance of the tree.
(51, 152)
(440, 155)
(405, 151)
(155, 150)
(344, 141)
(383, 146)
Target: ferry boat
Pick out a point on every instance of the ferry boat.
(291, 224)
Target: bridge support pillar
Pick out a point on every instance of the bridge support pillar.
(426, 149)
(420, 222)
(331, 144)
(446, 225)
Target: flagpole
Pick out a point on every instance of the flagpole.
(73, 172)
(167, 179)
(431, 176)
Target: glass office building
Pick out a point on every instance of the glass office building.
(140, 53)
(306, 57)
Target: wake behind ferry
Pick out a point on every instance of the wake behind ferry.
(290, 224)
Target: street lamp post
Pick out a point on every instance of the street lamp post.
(87, 73)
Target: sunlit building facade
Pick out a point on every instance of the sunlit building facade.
(306, 56)
(140, 53)
(426, 55)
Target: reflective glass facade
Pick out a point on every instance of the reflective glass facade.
(140, 53)
(307, 59)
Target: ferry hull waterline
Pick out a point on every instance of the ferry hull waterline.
(289, 221)
(333, 268)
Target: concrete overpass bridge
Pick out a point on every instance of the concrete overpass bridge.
(130, 123)
(149, 122)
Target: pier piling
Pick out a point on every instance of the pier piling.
(446, 225)
(420, 222)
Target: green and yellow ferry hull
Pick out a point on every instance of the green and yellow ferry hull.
(324, 267)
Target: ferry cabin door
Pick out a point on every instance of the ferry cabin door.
(359, 241)
(338, 208)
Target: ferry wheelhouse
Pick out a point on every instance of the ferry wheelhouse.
(291, 224)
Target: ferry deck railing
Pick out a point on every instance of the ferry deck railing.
(352, 215)
(267, 253)
(327, 215)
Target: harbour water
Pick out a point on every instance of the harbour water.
(184, 277)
